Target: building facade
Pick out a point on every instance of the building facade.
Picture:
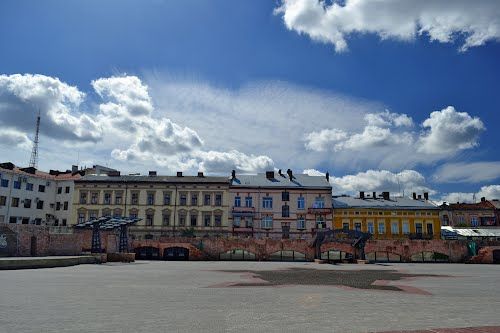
(167, 205)
(388, 217)
(477, 215)
(279, 205)
(30, 196)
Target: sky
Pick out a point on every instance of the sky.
(385, 95)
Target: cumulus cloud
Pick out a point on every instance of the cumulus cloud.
(10, 138)
(23, 95)
(489, 192)
(471, 23)
(450, 131)
(406, 181)
(463, 172)
(323, 140)
(224, 162)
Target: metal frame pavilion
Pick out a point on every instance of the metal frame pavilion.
(108, 223)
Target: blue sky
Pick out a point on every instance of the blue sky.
(236, 54)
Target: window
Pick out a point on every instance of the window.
(430, 229)
(248, 202)
(151, 198)
(25, 220)
(446, 220)
(65, 205)
(237, 201)
(249, 222)
(406, 228)
(67, 189)
(218, 220)
(218, 199)
(267, 202)
(474, 222)
(117, 213)
(166, 219)
(134, 200)
(27, 203)
(182, 220)
(107, 198)
(285, 196)
(356, 213)
(371, 228)
(183, 201)
(194, 220)
(285, 211)
(56, 222)
(237, 221)
(345, 226)
(2, 218)
(381, 227)
(357, 226)
(394, 228)
(207, 220)
(3, 200)
(59, 190)
(166, 198)
(41, 188)
(92, 215)
(301, 223)
(118, 198)
(83, 197)
(81, 217)
(58, 206)
(207, 200)
(319, 202)
(320, 222)
(29, 186)
(64, 222)
(149, 219)
(15, 202)
(267, 222)
(17, 184)
(133, 214)
(38, 221)
(418, 228)
(39, 204)
(94, 198)
(5, 183)
(194, 199)
(301, 202)
(13, 219)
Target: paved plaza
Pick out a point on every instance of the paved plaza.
(158, 296)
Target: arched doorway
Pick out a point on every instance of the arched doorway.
(176, 253)
(147, 253)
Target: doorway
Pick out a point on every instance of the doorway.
(33, 246)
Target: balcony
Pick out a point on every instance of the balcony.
(243, 211)
(319, 211)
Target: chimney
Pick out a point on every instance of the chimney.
(385, 195)
(419, 197)
(270, 174)
(74, 168)
(414, 196)
(426, 195)
(280, 173)
(361, 195)
(327, 176)
(290, 174)
(179, 173)
(233, 174)
(483, 199)
(152, 173)
(374, 195)
(200, 174)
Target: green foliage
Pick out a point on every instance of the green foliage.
(188, 232)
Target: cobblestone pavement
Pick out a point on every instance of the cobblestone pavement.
(199, 297)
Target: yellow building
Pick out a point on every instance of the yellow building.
(388, 217)
(167, 205)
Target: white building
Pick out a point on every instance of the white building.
(29, 196)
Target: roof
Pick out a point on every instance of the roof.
(37, 173)
(472, 232)
(394, 202)
(470, 206)
(153, 179)
(280, 181)
(495, 203)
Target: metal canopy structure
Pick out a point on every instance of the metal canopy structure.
(108, 223)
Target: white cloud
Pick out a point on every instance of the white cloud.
(450, 131)
(471, 23)
(323, 140)
(374, 136)
(463, 172)
(10, 138)
(406, 181)
(388, 119)
(224, 162)
(22, 96)
(489, 192)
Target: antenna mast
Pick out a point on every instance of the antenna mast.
(34, 151)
